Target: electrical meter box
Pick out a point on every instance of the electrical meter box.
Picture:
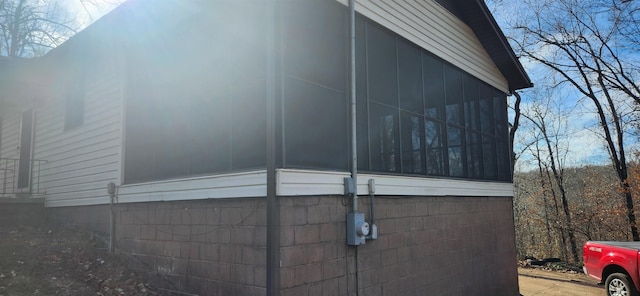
(357, 229)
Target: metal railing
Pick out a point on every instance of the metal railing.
(9, 175)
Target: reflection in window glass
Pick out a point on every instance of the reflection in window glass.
(471, 103)
(435, 147)
(456, 158)
(474, 155)
(412, 143)
(424, 115)
(433, 84)
(453, 83)
(384, 138)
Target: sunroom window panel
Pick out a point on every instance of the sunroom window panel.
(139, 143)
(410, 76)
(315, 119)
(249, 119)
(503, 160)
(362, 104)
(433, 82)
(412, 143)
(362, 136)
(382, 66)
(471, 111)
(209, 133)
(314, 43)
(455, 151)
(474, 155)
(434, 143)
(140, 132)
(453, 82)
(489, 157)
(486, 110)
(171, 158)
(500, 115)
(385, 139)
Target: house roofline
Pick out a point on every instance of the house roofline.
(478, 17)
(474, 13)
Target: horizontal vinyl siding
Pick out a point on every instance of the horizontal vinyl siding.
(81, 161)
(9, 144)
(435, 29)
(10, 135)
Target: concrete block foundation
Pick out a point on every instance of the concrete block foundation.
(426, 245)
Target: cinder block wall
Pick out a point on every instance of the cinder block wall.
(204, 247)
(426, 246)
(210, 247)
(15, 212)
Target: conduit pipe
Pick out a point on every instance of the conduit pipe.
(354, 146)
(111, 189)
(273, 207)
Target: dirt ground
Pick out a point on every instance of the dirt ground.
(543, 282)
(54, 261)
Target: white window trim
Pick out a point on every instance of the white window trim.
(305, 182)
(244, 184)
(290, 182)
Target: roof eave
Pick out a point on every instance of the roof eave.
(477, 16)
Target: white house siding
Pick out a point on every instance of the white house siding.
(81, 161)
(429, 25)
(9, 143)
(10, 135)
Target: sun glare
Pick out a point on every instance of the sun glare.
(88, 11)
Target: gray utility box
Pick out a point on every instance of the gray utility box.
(357, 229)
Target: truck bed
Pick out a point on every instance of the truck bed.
(626, 245)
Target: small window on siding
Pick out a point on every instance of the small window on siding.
(74, 104)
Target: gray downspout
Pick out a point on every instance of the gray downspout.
(273, 209)
(354, 146)
(111, 190)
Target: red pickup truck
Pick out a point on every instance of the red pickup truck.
(615, 263)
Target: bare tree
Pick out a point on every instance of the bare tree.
(573, 38)
(29, 28)
(550, 127)
(513, 129)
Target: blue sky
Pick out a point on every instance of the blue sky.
(573, 115)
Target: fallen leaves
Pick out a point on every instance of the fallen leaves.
(35, 262)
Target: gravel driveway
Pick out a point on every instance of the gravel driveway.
(541, 282)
